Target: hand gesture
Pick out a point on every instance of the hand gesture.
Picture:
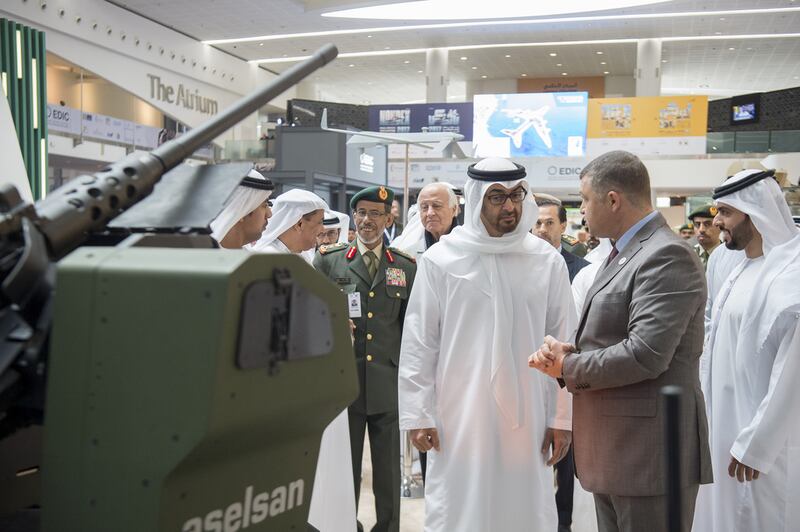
(550, 357)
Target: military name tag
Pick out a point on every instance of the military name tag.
(395, 277)
(354, 304)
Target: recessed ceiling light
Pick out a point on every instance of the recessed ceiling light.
(599, 52)
(406, 61)
(419, 71)
(463, 58)
(261, 44)
(717, 33)
(731, 48)
(606, 72)
(369, 36)
(474, 68)
(450, 9)
(537, 21)
(351, 65)
(484, 76)
(796, 77)
(664, 60)
(559, 64)
(524, 75)
(603, 63)
(563, 73)
(387, 47)
(722, 18)
(508, 55)
(553, 54)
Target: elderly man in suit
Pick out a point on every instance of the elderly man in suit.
(641, 329)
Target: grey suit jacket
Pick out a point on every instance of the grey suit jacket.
(641, 328)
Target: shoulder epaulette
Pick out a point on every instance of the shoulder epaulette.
(402, 254)
(324, 250)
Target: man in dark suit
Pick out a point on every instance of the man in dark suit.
(393, 227)
(641, 329)
(550, 227)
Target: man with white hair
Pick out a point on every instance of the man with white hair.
(296, 222)
(245, 214)
(437, 208)
(750, 378)
(464, 388)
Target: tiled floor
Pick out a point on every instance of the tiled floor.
(412, 511)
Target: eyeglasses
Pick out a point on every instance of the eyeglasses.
(516, 197)
(361, 213)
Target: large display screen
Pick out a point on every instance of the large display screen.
(744, 109)
(530, 124)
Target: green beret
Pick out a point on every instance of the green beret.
(687, 226)
(706, 211)
(376, 194)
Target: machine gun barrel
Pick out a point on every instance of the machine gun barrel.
(89, 202)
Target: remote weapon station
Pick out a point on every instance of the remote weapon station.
(148, 381)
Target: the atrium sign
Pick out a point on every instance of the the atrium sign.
(182, 97)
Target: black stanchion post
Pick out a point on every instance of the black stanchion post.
(672, 400)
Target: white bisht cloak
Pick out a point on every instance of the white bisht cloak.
(751, 375)
(480, 306)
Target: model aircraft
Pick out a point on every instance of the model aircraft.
(432, 141)
(529, 119)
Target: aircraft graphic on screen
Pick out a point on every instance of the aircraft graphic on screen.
(530, 118)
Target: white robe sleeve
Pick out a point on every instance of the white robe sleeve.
(419, 351)
(759, 444)
(560, 323)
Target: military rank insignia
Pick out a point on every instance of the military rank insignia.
(395, 277)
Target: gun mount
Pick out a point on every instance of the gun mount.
(33, 241)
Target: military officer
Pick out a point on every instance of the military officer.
(377, 281)
(706, 233)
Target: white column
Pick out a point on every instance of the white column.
(436, 75)
(648, 67)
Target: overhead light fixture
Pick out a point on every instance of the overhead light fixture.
(419, 71)
(457, 9)
(603, 63)
(559, 64)
(351, 65)
(731, 48)
(599, 52)
(553, 54)
(508, 55)
(406, 61)
(524, 75)
(606, 72)
(691, 38)
(563, 73)
(474, 68)
(539, 21)
(463, 58)
(484, 77)
(664, 60)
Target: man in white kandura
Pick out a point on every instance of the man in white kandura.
(753, 367)
(485, 296)
(296, 221)
(246, 213)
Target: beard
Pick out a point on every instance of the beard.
(738, 237)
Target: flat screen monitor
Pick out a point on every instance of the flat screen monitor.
(745, 109)
(551, 124)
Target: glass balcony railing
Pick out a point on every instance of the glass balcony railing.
(754, 142)
(245, 150)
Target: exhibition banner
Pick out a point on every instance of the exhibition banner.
(417, 118)
(530, 125)
(660, 125)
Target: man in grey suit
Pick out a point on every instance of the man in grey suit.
(641, 328)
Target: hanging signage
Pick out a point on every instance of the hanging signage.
(426, 117)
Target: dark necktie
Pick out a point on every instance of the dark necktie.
(612, 255)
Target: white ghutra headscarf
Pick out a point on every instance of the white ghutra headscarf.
(254, 190)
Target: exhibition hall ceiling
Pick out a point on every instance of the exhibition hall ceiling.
(703, 51)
